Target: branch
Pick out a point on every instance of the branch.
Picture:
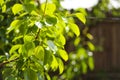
(6, 62)
(42, 18)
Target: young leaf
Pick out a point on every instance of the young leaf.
(17, 8)
(61, 65)
(84, 67)
(49, 8)
(39, 53)
(28, 38)
(74, 29)
(63, 54)
(54, 64)
(81, 17)
(91, 63)
(91, 46)
(13, 25)
(15, 47)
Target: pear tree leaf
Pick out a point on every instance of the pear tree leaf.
(13, 25)
(74, 28)
(54, 64)
(63, 54)
(14, 48)
(81, 17)
(61, 65)
(49, 8)
(91, 63)
(17, 8)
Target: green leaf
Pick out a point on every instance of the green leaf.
(61, 65)
(4, 8)
(48, 8)
(91, 63)
(81, 17)
(17, 8)
(62, 39)
(77, 41)
(74, 28)
(63, 54)
(54, 64)
(29, 7)
(91, 46)
(84, 67)
(47, 76)
(14, 56)
(28, 38)
(13, 25)
(39, 53)
(14, 48)
(16, 38)
(81, 53)
(50, 20)
(29, 48)
(29, 74)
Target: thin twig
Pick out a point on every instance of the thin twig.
(6, 62)
(42, 18)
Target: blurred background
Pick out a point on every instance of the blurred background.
(103, 21)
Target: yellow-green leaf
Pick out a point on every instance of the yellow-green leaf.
(17, 8)
(74, 29)
(61, 65)
(54, 64)
(48, 8)
(14, 48)
(13, 25)
(81, 17)
(63, 54)
(91, 63)
(91, 46)
(39, 52)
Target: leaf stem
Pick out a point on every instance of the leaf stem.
(6, 62)
(42, 18)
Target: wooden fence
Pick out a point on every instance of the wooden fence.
(107, 62)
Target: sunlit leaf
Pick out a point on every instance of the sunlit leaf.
(81, 17)
(17, 8)
(28, 38)
(29, 48)
(14, 48)
(89, 36)
(61, 65)
(16, 38)
(47, 76)
(54, 64)
(84, 67)
(91, 46)
(4, 8)
(14, 56)
(74, 28)
(63, 54)
(39, 52)
(77, 41)
(91, 63)
(48, 8)
(13, 25)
